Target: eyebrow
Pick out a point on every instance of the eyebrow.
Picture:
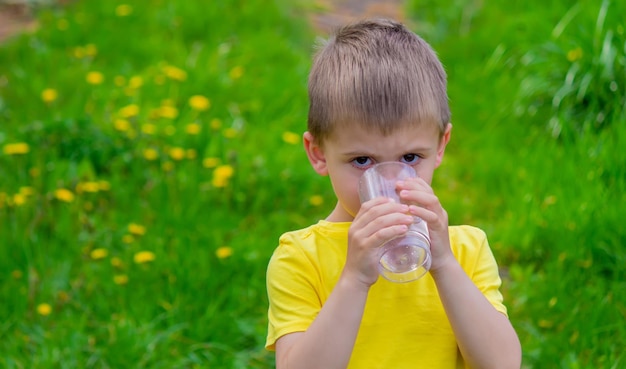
(368, 153)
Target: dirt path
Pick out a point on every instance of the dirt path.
(339, 12)
(15, 15)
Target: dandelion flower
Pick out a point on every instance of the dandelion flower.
(175, 73)
(17, 148)
(143, 257)
(210, 162)
(168, 112)
(121, 125)
(148, 128)
(316, 200)
(27, 191)
(221, 175)
(64, 195)
(120, 279)
(575, 54)
(150, 154)
(291, 138)
(49, 95)
(136, 229)
(19, 199)
(129, 111)
(177, 153)
(123, 10)
(135, 82)
(236, 72)
(94, 78)
(193, 128)
(230, 133)
(224, 252)
(44, 309)
(98, 254)
(128, 239)
(216, 124)
(199, 103)
(116, 262)
(91, 50)
(90, 186)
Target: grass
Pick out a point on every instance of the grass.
(151, 159)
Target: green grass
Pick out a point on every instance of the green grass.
(543, 176)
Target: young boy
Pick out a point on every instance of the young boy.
(378, 93)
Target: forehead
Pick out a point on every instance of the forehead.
(353, 138)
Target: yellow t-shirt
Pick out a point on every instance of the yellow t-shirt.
(404, 324)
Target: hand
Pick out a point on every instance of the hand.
(378, 221)
(425, 205)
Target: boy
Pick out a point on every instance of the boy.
(378, 93)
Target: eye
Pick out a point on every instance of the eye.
(362, 162)
(411, 159)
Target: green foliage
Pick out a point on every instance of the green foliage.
(150, 160)
(521, 74)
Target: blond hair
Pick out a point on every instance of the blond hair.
(376, 74)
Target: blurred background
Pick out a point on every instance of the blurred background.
(151, 158)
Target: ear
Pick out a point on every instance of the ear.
(315, 153)
(445, 138)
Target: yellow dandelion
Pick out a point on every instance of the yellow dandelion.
(575, 54)
(89, 186)
(143, 257)
(136, 229)
(168, 112)
(224, 252)
(236, 72)
(221, 175)
(230, 133)
(17, 148)
(175, 73)
(98, 254)
(128, 239)
(199, 103)
(177, 153)
(193, 128)
(123, 10)
(120, 279)
(49, 95)
(216, 124)
(121, 125)
(210, 162)
(291, 138)
(129, 111)
(316, 200)
(91, 50)
(116, 262)
(27, 191)
(150, 154)
(19, 199)
(149, 128)
(64, 195)
(167, 166)
(44, 309)
(78, 52)
(94, 78)
(135, 82)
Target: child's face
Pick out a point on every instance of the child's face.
(350, 151)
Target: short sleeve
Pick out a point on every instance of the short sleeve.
(292, 291)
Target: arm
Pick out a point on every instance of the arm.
(329, 340)
(485, 337)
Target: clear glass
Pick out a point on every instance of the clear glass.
(405, 258)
